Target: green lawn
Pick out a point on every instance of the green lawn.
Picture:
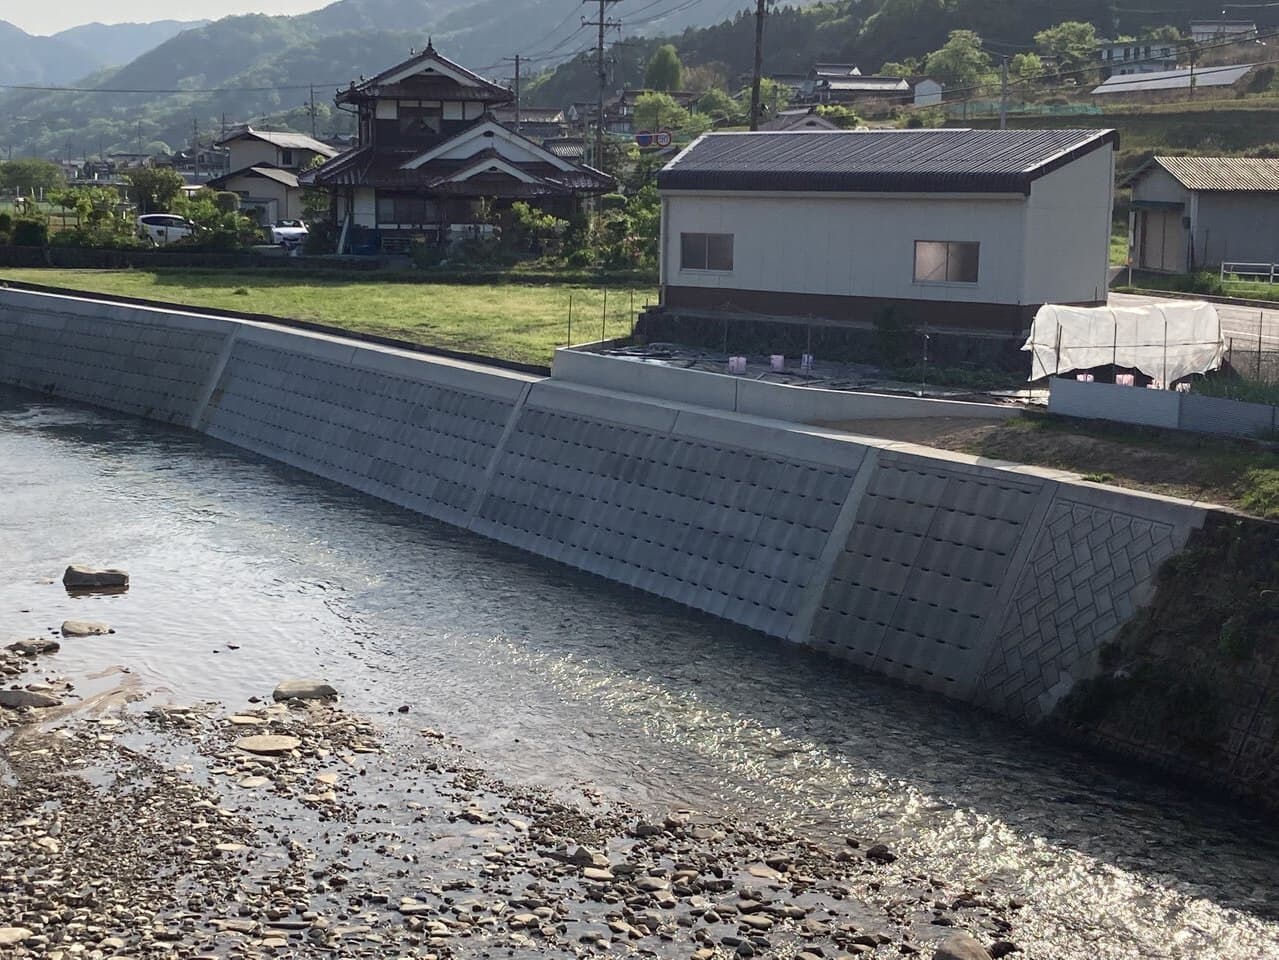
(511, 321)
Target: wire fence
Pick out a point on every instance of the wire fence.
(1253, 360)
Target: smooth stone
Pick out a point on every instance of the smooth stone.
(34, 646)
(82, 577)
(880, 854)
(11, 935)
(961, 946)
(304, 690)
(230, 847)
(84, 628)
(268, 743)
(595, 873)
(244, 720)
(16, 699)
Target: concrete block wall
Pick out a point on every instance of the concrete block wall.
(1162, 408)
(152, 364)
(756, 398)
(419, 434)
(993, 584)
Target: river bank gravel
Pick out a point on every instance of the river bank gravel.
(131, 828)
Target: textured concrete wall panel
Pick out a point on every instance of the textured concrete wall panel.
(925, 560)
(730, 531)
(409, 441)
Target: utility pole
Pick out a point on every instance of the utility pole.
(758, 73)
(139, 139)
(603, 23)
(195, 147)
(1003, 94)
(517, 59)
(311, 110)
(1194, 52)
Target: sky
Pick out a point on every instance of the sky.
(46, 18)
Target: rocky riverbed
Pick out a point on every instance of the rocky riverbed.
(130, 827)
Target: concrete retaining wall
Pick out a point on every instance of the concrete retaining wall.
(991, 584)
(1161, 408)
(759, 398)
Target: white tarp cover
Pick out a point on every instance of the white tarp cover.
(1165, 341)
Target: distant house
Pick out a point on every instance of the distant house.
(1208, 31)
(1192, 213)
(928, 93)
(840, 83)
(804, 118)
(433, 164)
(536, 123)
(956, 228)
(1125, 57)
(264, 167)
(276, 148)
(1146, 83)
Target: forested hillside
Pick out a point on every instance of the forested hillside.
(262, 69)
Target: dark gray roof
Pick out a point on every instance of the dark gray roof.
(889, 161)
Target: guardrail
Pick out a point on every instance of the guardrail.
(1252, 272)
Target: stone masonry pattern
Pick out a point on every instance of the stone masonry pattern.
(1089, 570)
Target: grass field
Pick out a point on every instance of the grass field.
(510, 321)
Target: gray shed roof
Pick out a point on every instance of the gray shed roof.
(1174, 79)
(1243, 174)
(887, 161)
(282, 139)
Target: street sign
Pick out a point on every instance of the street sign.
(644, 138)
(663, 138)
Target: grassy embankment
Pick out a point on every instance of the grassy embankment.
(1237, 473)
(511, 321)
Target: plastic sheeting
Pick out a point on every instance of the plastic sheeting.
(1165, 341)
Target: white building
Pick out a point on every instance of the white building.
(264, 166)
(928, 93)
(1123, 58)
(1210, 31)
(955, 228)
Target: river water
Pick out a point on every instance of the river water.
(245, 572)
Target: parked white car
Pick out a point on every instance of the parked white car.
(163, 228)
(287, 233)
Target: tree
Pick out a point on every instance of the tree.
(315, 201)
(1026, 66)
(773, 96)
(665, 72)
(30, 175)
(1073, 43)
(961, 63)
(659, 111)
(904, 68)
(154, 189)
(717, 104)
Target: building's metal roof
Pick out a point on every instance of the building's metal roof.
(1244, 174)
(857, 84)
(1175, 79)
(264, 170)
(879, 161)
(283, 139)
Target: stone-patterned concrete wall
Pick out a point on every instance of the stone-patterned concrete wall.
(1092, 567)
(986, 583)
(733, 531)
(417, 434)
(912, 590)
(112, 356)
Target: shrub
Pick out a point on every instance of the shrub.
(6, 222)
(612, 201)
(1203, 282)
(30, 233)
(894, 337)
(226, 201)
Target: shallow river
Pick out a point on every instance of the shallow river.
(556, 678)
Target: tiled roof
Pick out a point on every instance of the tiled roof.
(890, 161)
(1246, 174)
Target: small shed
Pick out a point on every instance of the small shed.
(959, 228)
(928, 93)
(1194, 213)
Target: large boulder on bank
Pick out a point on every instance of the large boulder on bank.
(12, 935)
(17, 699)
(34, 647)
(961, 946)
(79, 577)
(304, 690)
(84, 628)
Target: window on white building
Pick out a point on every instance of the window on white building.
(706, 251)
(945, 261)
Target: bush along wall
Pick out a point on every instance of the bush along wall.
(1191, 684)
